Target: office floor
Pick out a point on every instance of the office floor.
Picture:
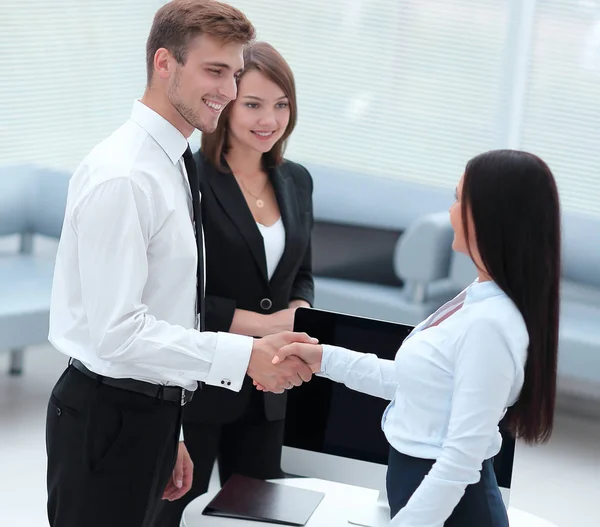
(559, 481)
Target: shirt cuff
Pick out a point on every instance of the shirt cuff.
(328, 353)
(230, 361)
(181, 433)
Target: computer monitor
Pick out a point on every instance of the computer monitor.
(334, 433)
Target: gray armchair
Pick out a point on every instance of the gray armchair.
(420, 258)
(32, 202)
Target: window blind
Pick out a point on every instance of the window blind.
(561, 118)
(72, 70)
(405, 89)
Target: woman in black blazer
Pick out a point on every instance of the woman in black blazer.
(257, 217)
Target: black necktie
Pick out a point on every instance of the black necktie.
(192, 172)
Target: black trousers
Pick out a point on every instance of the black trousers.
(250, 446)
(110, 453)
(480, 506)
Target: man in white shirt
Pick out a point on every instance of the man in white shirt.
(124, 299)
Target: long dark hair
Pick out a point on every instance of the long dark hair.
(513, 201)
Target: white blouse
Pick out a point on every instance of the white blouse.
(274, 241)
(449, 387)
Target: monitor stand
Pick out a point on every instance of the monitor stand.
(374, 514)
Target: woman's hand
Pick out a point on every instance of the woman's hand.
(311, 354)
(258, 325)
(283, 320)
(298, 303)
(279, 321)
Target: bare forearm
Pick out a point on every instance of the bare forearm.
(248, 323)
(298, 303)
(259, 325)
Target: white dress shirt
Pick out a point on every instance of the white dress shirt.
(274, 242)
(449, 387)
(124, 290)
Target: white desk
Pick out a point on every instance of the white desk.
(333, 511)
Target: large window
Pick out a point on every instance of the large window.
(405, 89)
(561, 120)
(408, 89)
(71, 70)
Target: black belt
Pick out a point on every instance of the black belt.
(168, 393)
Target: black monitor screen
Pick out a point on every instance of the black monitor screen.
(325, 416)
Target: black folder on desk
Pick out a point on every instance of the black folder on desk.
(254, 499)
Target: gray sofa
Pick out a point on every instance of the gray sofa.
(421, 257)
(32, 204)
(579, 360)
(432, 273)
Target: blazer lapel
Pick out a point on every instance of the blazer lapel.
(285, 192)
(229, 195)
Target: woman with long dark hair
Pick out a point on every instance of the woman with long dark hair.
(489, 351)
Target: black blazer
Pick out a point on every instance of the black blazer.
(236, 270)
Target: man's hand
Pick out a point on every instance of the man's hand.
(277, 378)
(181, 480)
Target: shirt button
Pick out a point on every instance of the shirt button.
(266, 304)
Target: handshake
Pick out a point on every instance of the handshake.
(281, 361)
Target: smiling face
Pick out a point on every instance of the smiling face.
(200, 89)
(260, 115)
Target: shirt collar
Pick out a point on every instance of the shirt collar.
(162, 131)
(478, 291)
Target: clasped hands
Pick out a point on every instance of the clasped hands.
(284, 360)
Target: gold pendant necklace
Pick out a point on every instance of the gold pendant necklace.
(259, 202)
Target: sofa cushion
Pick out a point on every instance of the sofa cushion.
(25, 287)
(352, 198)
(581, 249)
(32, 199)
(579, 353)
(579, 348)
(16, 197)
(423, 252)
(373, 300)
